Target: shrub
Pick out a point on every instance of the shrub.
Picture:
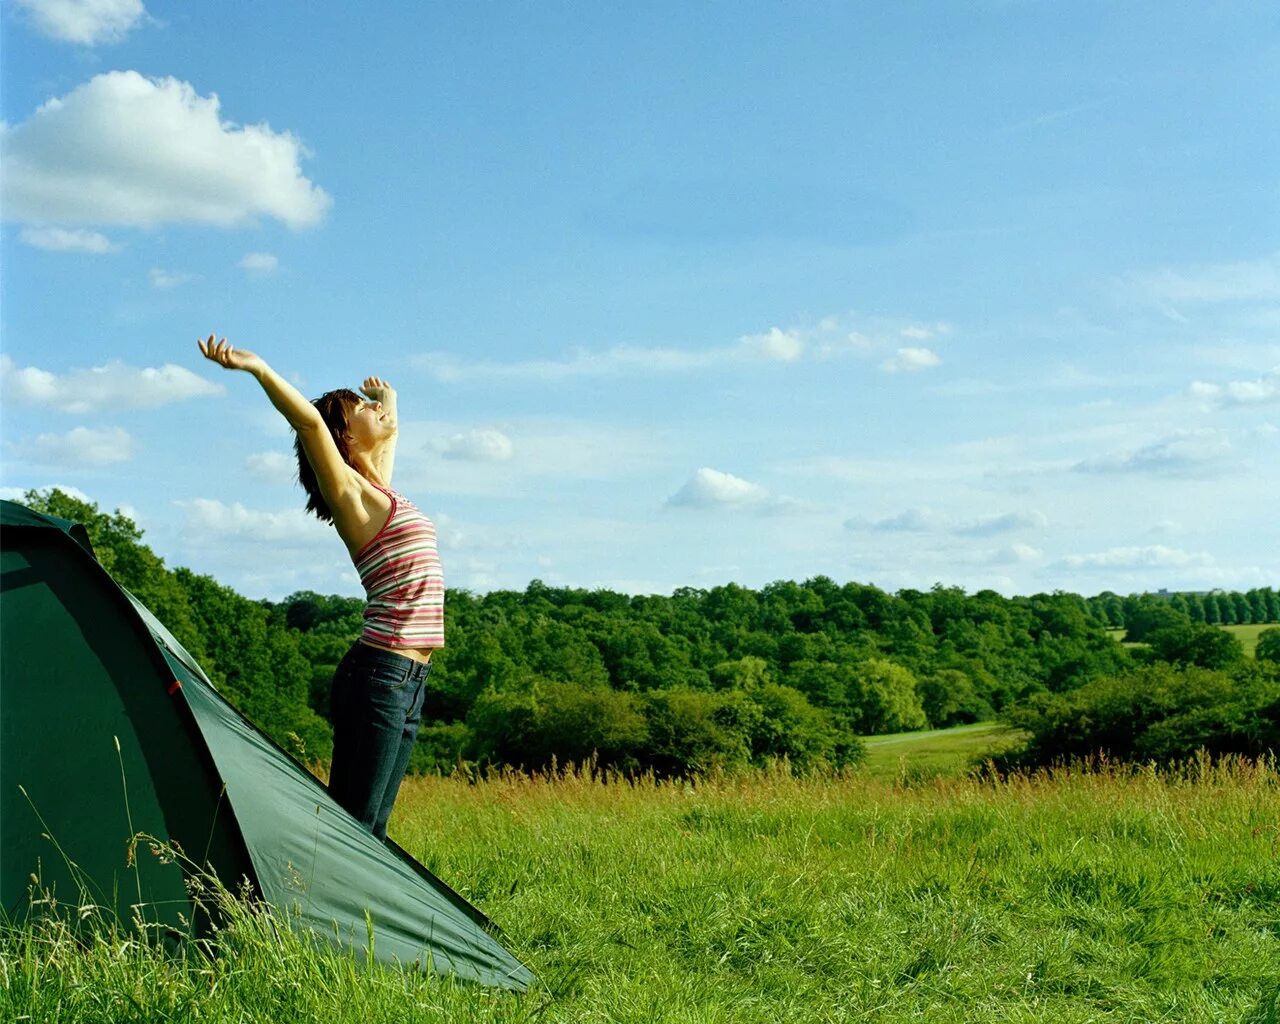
(1161, 712)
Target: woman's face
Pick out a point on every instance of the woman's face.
(367, 426)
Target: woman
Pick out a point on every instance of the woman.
(346, 451)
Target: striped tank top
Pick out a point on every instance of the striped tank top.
(403, 582)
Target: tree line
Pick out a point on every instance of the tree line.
(730, 676)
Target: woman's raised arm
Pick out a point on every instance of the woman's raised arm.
(333, 475)
(378, 390)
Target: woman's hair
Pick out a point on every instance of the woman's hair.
(333, 407)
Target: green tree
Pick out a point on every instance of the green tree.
(1268, 648)
(883, 698)
(1196, 644)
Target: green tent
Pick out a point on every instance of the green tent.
(108, 728)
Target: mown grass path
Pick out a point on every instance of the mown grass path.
(1112, 896)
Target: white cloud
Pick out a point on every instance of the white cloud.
(87, 22)
(620, 359)
(1015, 554)
(828, 340)
(112, 385)
(1151, 556)
(1239, 392)
(989, 526)
(782, 346)
(477, 446)
(271, 466)
(1183, 452)
(710, 488)
(169, 278)
(1241, 281)
(913, 520)
(922, 332)
(259, 263)
(909, 360)
(208, 519)
(81, 446)
(125, 149)
(68, 240)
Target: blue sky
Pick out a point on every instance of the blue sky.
(985, 294)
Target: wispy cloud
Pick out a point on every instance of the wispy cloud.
(260, 263)
(86, 22)
(68, 240)
(830, 338)
(1185, 452)
(110, 386)
(161, 278)
(928, 520)
(476, 446)
(215, 521)
(1240, 281)
(82, 446)
(271, 466)
(1258, 391)
(910, 360)
(1150, 556)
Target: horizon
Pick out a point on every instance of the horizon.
(979, 295)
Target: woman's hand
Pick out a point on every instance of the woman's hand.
(377, 390)
(224, 355)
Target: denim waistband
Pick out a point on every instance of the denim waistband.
(412, 669)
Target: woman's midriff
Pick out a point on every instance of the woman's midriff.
(422, 654)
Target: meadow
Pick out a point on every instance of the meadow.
(1115, 894)
(1247, 635)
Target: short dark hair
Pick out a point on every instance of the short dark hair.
(333, 407)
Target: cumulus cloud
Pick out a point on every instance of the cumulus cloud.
(68, 240)
(125, 149)
(110, 386)
(776, 344)
(259, 263)
(1239, 392)
(271, 466)
(711, 488)
(910, 360)
(82, 446)
(87, 22)
(1015, 554)
(477, 446)
(211, 519)
(1182, 453)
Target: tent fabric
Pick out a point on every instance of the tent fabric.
(109, 728)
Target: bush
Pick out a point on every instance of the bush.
(1161, 712)
(566, 721)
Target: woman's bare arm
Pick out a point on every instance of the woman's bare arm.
(378, 390)
(335, 477)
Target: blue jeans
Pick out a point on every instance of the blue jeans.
(375, 705)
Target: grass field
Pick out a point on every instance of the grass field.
(915, 755)
(1070, 898)
(1247, 635)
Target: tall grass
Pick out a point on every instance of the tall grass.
(1113, 894)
